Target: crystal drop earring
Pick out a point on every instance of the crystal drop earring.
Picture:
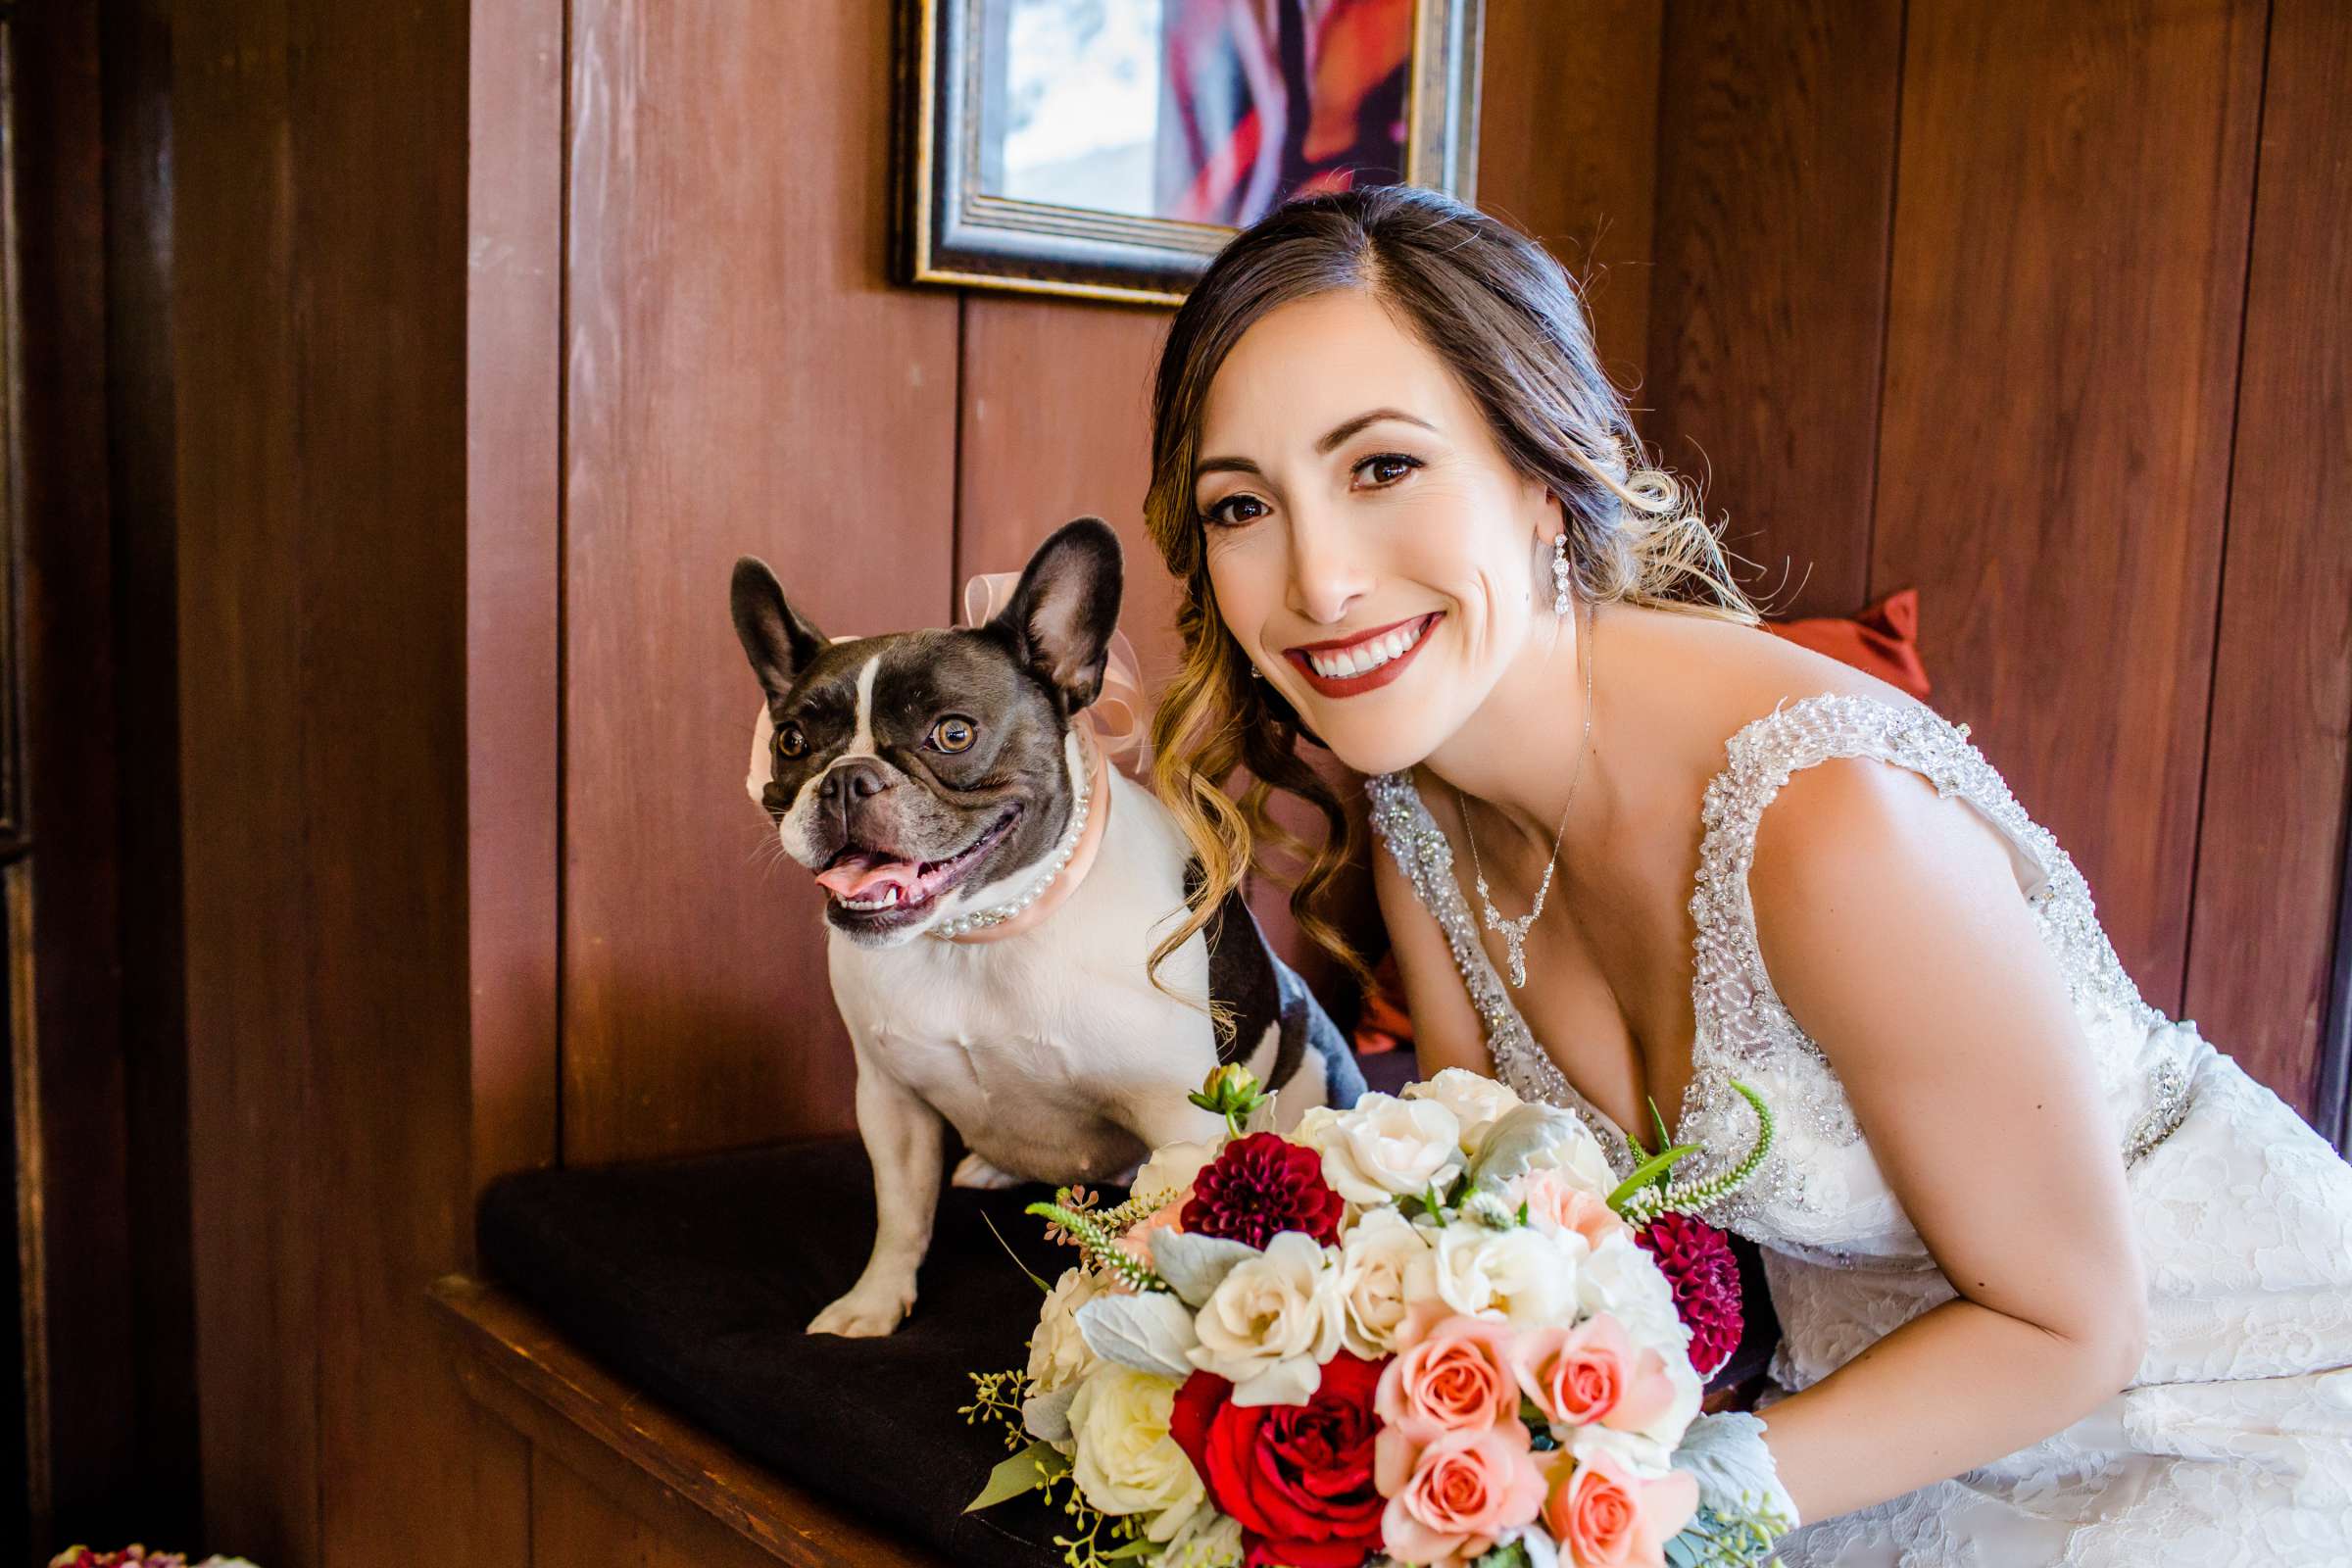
(1560, 574)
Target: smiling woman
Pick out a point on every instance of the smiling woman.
(2058, 1283)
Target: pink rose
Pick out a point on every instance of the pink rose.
(1553, 1201)
(1137, 1243)
(1449, 1498)
(1593, 1373)
(1458, 1377)
(1603, 1516)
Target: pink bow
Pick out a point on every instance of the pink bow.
(1118, 714)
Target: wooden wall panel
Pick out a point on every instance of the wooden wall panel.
(1568, 130)
(740, 379)
(2070, 240)
(2268, 855)
(1776, 170)
(513, 580)
(253, 1167)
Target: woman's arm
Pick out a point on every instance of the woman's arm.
(1447, 1032)
(1891, 926)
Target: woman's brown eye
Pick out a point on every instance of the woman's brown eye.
(1389, 467)
(1223, 512)
(952, 733)
(790, 742)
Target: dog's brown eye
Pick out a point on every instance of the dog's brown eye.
(954, 733)
(790, 742)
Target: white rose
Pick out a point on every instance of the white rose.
(1577, 1155)
(1383, 1149)
(1475, 1102)
(1272, 1324)
(1173, 1167)
(1520, 1276)
(1057, 1354)
(1209, 1539)
(1620, 1278)
(1374, 1257)
(1126, 1463)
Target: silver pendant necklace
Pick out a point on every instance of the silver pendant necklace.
(1514, 931)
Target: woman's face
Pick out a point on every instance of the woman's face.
(1371, 550)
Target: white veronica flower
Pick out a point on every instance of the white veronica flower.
(1383, 1149)
(1125, 1461)
(1521, 1276)
(1058, 1355)
(1272, 1324)
(1477, 1102)
(1374, 1257)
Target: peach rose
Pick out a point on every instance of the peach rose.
(1592, 1373)
(1459, 1377)
(1604, 1516)
(1137, 1243)
(1555, 1202)
(1449, 1498)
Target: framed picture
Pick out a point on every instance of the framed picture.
(1108, 148)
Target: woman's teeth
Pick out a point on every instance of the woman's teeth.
(1341, 662)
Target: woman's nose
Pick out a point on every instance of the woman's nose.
(1328, 574)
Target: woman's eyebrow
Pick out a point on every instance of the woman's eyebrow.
(1332, 438)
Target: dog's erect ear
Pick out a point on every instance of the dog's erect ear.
(778, 639)
(1062, 615)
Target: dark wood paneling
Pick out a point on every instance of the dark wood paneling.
(1566, 150)
(1056, 409)
(513, 593)
(1775, 167)
(2268, 850)
(254, 1166)
(740, 378)
(2069, 244)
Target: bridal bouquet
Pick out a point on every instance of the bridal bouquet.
(1435, 1329)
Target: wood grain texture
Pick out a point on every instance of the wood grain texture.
(514, 588)
(254, 1164)
(741, 380)
(694, 1491)
(1776, 168)
(80, 1275)
(2269, 849)
(1567, 143)
(2070, 242)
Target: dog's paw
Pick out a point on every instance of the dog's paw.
(863, 1314)
(973, 1171)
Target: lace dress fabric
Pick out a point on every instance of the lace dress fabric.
(2234, 1445)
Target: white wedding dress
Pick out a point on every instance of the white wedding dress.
(2233, 1444)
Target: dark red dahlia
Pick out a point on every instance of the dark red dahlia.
(1260, 1185)
(1698, 1262)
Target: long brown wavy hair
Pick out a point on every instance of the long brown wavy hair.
(1507, 320)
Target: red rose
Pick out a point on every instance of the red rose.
(1299, 1477)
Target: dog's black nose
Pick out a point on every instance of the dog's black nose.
(852, 781)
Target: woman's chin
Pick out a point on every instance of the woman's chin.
(1366, 749)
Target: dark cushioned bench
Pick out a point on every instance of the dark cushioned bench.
(694, 1279)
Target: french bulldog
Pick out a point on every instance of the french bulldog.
(994, 889)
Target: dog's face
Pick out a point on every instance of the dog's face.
(922, 773)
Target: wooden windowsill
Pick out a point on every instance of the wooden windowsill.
(659, 1466)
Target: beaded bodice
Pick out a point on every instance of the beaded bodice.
(1820, 1195)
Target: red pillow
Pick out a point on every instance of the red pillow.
(1882, 640)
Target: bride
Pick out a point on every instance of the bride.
(2058, 1282)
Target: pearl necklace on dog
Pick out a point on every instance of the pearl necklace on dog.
(1064, 869)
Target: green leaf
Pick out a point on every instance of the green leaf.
(1659, 1121)
(1025, 1470)
(1133, 1549)
(1649, 1170)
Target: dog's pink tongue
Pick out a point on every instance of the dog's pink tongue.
(860, 874)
